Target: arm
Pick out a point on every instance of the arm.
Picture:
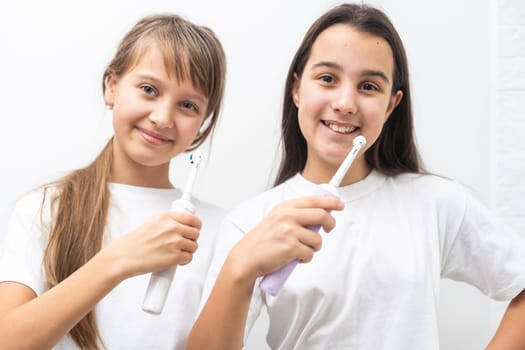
(31, 322)
(486, 254)
(221, 324)
(28, 322)
(279, 238)
(511, 331)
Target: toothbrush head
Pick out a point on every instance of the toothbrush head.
(359, 140)
(195, 158)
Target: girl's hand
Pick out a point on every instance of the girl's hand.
(165, 240)
(283, 235)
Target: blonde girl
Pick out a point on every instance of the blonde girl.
(73, 269)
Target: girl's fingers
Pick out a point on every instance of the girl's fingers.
(184, 258)
(188, 232)
(315, 217)
(310, 239)
(295, 223)
(305, 254)
(287, 217)
(327, 203)
(174, 223)
(305, 243)
(186, 245)
(167, 239)
(183, 218)
(308, 211)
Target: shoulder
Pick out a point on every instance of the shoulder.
(262, 201)
(25, 240)
(428, 195)
(426, 182)
(209, 211)
(34, 203)
(31, 217)
(429, 187)
(249, 212)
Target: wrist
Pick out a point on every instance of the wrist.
(112, 265)
(238, 271)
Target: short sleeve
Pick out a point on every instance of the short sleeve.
(23, 246)
(486, 254)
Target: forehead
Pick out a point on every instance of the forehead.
(352, 49)
(151, 58)
(161, 60)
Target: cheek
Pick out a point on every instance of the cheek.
(311, 107)
(375, 118)
(122, 121)
(312, 99)
(119, 121)
(189, 127)
(128, 103)
(375, 112)
(126, 112)
(305, 121)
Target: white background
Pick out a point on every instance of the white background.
(53, 119)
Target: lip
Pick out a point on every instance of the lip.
(153, 137)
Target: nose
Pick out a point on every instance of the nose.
(162, 117)
(345, 101)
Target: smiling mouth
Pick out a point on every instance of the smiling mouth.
(154, 137)
(338, 128)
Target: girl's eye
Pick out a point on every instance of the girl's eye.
(150, 90)
(189, 105)
(369, 87)
(327, 79)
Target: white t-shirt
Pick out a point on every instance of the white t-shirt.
(375, 282)
(121, 321)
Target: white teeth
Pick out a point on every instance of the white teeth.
(343, 129)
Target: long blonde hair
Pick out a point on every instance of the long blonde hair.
(80, 200)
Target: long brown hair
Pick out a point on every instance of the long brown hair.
(395, 150)
(80, 200)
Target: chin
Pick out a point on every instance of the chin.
(149, 162)
(335, 157)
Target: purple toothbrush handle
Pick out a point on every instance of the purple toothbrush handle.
(273, 282)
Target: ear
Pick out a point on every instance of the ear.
(394, 102)
(295, 90)
(110, 84)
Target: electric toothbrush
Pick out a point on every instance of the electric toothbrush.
(160, 281)
(273, 282)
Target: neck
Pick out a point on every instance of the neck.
(321, 172)
(128, 172)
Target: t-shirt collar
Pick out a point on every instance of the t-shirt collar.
(347, 193)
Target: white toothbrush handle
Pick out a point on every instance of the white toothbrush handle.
(273, 282)
(160, 281)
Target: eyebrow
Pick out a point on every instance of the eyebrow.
(365, 73)
(153, 78)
